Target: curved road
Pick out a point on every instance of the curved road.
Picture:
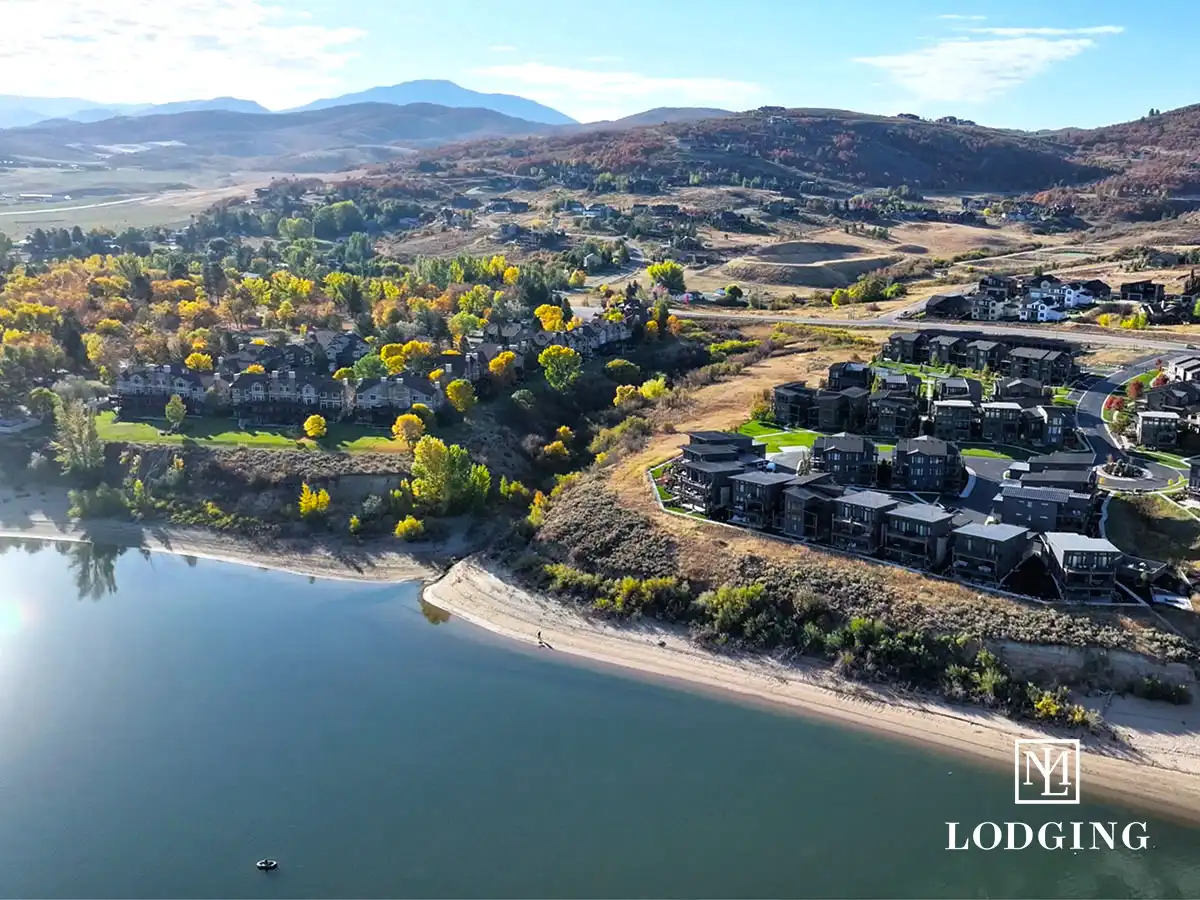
(1090, 420)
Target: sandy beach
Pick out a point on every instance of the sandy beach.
(1154, 762)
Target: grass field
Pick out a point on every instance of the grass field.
(217, 432)
(989, 453)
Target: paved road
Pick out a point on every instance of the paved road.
(1090, 420)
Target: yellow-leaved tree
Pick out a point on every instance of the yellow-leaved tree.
(408, 429)
(551, 317)
(199, 362)
(255, 369)
(503, 366)
(313, 503)
(315, 427)
(461, 394)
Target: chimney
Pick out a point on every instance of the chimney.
(291, 375)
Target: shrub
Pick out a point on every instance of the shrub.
(629, 435)
(524, 399)
(653, 389)
(410, 528)
(313, 503)
(102, 502)
(623, 371)
(315, 427)
(556, 451)
(514, 491)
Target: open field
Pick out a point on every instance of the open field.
(221, 433)
(1149, 525)
(118, 197)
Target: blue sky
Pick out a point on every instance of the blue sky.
(1014, 64)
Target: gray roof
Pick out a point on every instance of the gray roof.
(765, 478)
(869, 499)
(984, 345)
(923, 512)
(1054, 495)
(710, 449)
(715, 467)
(715, 436)
(930, 446)
(991, 532)
(854, 391)
(1001, 404)
(1070, 476)
(948, 339)
(1066, 457)
(846, 443)
(826, 493)
(1066, 541)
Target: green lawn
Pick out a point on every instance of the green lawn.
(1167, 459)
(757, 429)
(989, 451)
(218, 432)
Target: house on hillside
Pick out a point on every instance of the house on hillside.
(987, 554)
(1142, 292)
(808, 506)
(145, 390)
(984, 354)
(844, 375)
(892, 414)
(917, 535)
(907, 347)
(1083, 568)
(1046, 366)
(1000, 422)
(1044, 508)
(1019, 389)
(795, 404)
(958, 388)
(947, 350)
(757, 499)
(859, 520)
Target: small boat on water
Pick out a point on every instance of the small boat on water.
(267, 864)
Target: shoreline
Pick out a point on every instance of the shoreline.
(305, 557)
(1152, 765)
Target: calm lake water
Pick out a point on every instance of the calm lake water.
(165, 723)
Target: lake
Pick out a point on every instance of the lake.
(165, 722)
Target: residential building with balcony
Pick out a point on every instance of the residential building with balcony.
(1044, 509)
(704, 486)
(954, 420)
(844, 410)
(898, 383)
(858, 521)
(908, 347)
(892, 414)
(1158, 430)
(795, 404)
(917, 535)
(1000, 421)
(844, 375)
(985, 354)
(947, 350)
(958, 388)
(808, 506)
(926, 464)
(1083, 568)
(756, 500)
(849, 458)
(1046, 366)
(1047, 426)
(987, 554)
(1019, 389)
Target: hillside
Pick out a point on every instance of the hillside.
(664, 115)
(345, 134)
(801, 145)
(446, 93)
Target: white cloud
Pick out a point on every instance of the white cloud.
(147, 51)
(956, 17)
(963, 70)
(592, 95)
(1048, 32)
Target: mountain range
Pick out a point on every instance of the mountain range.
(17, 111)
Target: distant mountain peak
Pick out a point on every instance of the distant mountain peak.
(441, 92)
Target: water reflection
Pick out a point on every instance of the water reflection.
(93, 567)
(433, 615)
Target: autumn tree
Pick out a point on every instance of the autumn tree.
(408, 429)
(461, 395)
(315, 427)
(313, 503)
(199, 362)
(577, 279)
(1135, 390)
(175, 412)
(627, 395)
(668, 273)
(255, 369)
(343, 374)
(502, 366)
(425, 414)
(623, 371)
(550, 316)
(561, 365)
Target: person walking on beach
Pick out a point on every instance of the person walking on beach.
(541, 643)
